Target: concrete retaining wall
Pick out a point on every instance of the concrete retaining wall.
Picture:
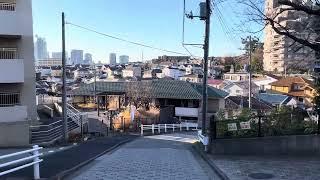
(15, 134)
(280, 145)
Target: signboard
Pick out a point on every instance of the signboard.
(245, 125)
(186, 112)
(232, 127)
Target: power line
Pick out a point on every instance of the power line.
(124, 40)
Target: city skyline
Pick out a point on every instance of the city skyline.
(138, 28)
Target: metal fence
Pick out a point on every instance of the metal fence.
(8, 53)
(260, 126)
(31, 160)
(9, 99)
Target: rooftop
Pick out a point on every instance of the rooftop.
(166, 89)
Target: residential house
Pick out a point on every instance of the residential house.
(195, 78)
(152, 74)
(300, 88)
(278, 100)
(265, 81)
(132, 71)
(216, 83)
(240, 88)
(191, 68)
(81, 73)
(45, 71)
(235, 105)
(236, 76)
(56, 71)
(161, 93)
(173, 72)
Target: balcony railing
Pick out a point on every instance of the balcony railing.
(9, 99)
(8, 53)
(7, 6)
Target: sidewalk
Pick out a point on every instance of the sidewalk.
(58, 162)
(152, 157)
(277, 168)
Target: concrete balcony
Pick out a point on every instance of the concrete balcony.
(11, 71)
(12, 114)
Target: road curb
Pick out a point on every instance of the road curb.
(65, 173)
(215, 168)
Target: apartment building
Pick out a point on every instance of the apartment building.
(280, 52)
(17, 72)
(48, 62)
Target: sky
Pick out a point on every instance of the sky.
(158, 23)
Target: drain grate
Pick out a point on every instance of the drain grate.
(261, 176)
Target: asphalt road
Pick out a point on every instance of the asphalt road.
(64, 160)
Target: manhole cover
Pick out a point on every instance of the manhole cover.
(261, 176)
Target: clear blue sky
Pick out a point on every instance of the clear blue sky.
(154, 22)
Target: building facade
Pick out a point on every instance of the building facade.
(113, 58)
(57, 55)
(280, 52)
(41, 51)
(77, 56)
(17, 73)
(88, 58)
(48, 62)
(124, 59)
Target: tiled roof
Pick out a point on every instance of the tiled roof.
(272, 98)
(168, 89)
(242, 101)
(212, 92)
(288, 81)
(215, 81)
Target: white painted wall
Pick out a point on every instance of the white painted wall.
(237, 91)
(13, 114)
(17, 22)
(11, 71)
(264, 84)
(186, 112)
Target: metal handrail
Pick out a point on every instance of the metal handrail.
(35, 157)
(46, 125)
(47, 130)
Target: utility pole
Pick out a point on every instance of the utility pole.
(205, 67)
(250, 71)
(96, 100)
(64, 85)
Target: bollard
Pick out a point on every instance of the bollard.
(152, 128)
(141, 129)
(36, 169)
(187, 126)
(173, 127)
(180, 127)
(165, 128)
(159, 128)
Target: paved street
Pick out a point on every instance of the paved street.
(57, 162)
(279, 167)
(153, 157)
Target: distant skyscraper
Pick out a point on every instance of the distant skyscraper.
(88, 58)
(41, 51)
(113, 58)
(56, 55)
(77, 56)
(124, 59)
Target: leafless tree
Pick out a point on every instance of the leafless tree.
(139, 93)
(304, 30)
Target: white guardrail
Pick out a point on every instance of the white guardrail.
(24, 162)
(166, 127)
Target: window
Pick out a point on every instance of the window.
(7, 6)
(238, 91)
